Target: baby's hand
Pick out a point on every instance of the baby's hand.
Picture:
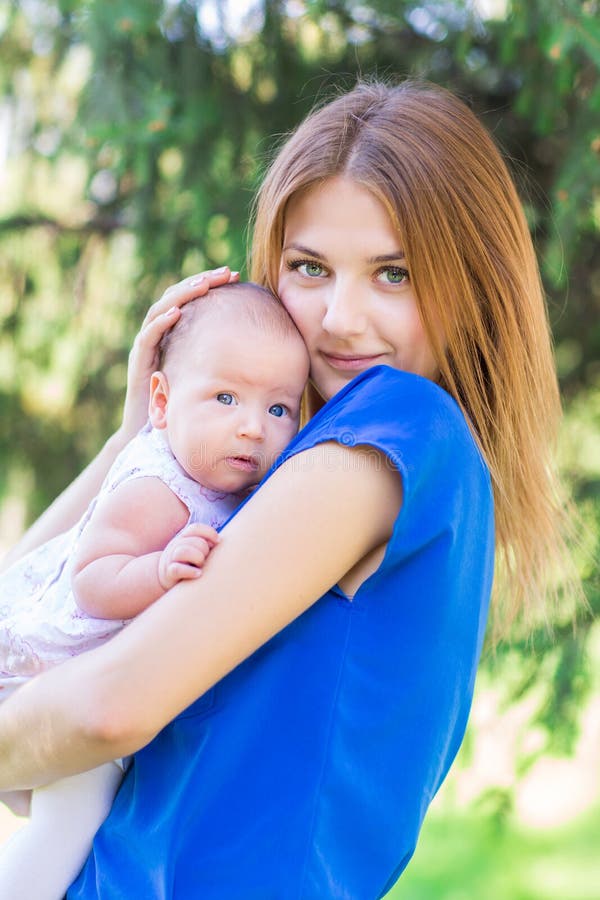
(185, 554)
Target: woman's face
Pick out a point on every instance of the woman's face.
(343, 278)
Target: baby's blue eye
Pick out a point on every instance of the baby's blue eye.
(226, 399)
(278, 410)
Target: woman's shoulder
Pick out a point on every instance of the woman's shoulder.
(405, 415)
(397, 396)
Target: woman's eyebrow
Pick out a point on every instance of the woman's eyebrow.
(373, 260)
(387, 257)
(305, 250)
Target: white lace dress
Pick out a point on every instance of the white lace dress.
(40, 623)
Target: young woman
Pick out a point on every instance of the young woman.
(299, 705)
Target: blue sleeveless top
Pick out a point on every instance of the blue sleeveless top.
(306, 772)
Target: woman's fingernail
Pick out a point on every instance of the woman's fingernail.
(220, 270)
(172, 311)
(234, 274)
(196, 281)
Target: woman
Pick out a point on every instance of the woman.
(333, 638)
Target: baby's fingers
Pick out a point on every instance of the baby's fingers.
(188, 558)
(178, 571)
(193, 551)
(200, 530)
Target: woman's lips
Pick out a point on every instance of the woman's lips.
(349, 362)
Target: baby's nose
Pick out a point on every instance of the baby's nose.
(251, 426)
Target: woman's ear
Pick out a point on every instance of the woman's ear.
(159, 399)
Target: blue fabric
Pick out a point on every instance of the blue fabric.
(307, 771)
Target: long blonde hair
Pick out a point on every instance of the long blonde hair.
(428, 159)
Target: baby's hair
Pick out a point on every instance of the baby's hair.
(246, 302)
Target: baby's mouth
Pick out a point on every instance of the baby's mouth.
(243, 463)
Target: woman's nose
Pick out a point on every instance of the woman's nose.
(344, 314)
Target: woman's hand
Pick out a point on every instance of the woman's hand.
(143, 358)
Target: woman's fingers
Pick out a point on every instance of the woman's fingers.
(195, 286)
(143, 358)
(163, 314)
(148, 338)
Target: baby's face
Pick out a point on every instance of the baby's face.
(233, 402)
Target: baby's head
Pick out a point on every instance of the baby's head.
(228, 391)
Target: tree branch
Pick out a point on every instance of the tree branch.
(100, 225)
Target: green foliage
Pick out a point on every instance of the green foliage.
(554, 52)
(138, 132)
(155, 119)
(465, 856)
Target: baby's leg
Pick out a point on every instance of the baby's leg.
(40, 861)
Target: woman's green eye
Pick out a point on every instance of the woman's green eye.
(307, 267)
(313, 269)
(393, 275)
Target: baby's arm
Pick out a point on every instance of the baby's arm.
(133, 550)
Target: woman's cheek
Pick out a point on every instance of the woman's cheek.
(293, 304)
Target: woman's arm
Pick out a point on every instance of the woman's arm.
(72, 503)
(320, 506)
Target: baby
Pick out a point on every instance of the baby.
(224, 403)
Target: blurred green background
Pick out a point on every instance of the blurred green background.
(133, 134)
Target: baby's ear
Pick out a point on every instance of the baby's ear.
(159, 399)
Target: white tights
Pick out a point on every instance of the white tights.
(41, 860)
